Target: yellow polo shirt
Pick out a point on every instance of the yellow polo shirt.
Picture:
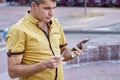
(26, 36)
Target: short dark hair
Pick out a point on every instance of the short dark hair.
(38, 2)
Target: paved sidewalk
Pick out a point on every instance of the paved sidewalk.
(94, 71)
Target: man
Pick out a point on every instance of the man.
(36, 45)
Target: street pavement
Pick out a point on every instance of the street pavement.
(71, 18)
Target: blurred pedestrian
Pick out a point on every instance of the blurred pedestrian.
(5, 31)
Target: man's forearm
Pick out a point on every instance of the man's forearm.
(21, 70)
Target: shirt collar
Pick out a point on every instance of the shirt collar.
(31, 18)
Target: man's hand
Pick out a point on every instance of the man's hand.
(54, 61)
(76, 52)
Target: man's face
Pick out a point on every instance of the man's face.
(45, 10)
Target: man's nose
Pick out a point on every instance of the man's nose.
(51, 13)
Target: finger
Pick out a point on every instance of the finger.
(77, 49)
(82, 45)
(59, 58)
(76, 53)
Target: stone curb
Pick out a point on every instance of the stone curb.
(98, 53)
(93, 31)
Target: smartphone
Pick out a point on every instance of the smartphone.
(79, 45)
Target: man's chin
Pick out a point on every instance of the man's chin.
(48, 21)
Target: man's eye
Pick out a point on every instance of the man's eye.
(47, 8)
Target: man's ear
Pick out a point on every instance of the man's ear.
(33, 4)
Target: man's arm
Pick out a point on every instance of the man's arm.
(16, 69)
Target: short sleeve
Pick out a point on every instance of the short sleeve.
(63, 41)
(15, 40)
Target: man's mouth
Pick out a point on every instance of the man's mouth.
(49, 17)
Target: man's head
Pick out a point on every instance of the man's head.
(38, 2)
(43, 10)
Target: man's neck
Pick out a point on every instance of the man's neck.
(43, 26)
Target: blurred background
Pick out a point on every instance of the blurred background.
(98, 20)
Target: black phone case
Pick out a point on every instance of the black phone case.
(79, 45)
